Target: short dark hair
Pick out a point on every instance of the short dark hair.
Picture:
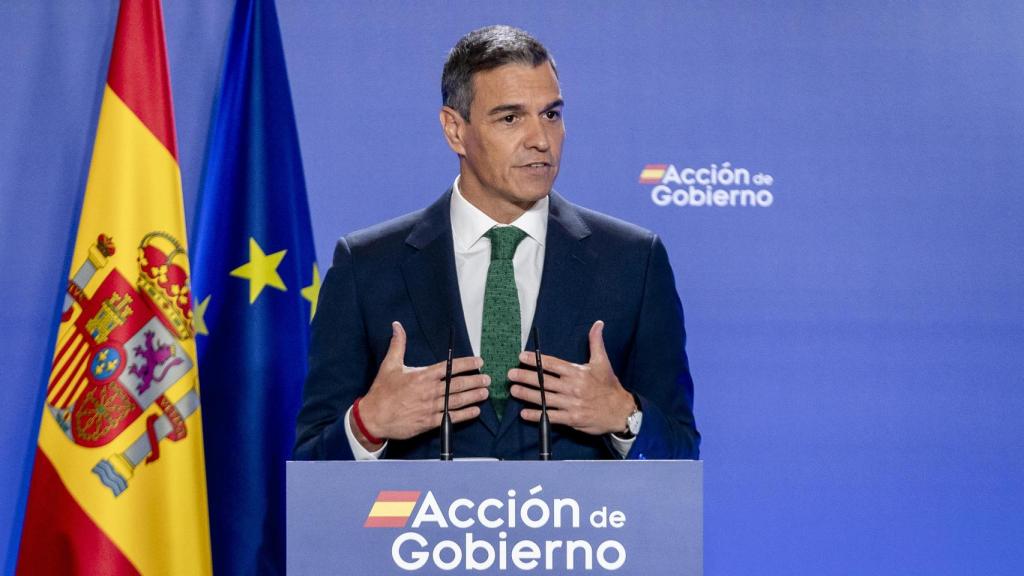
(485, 49)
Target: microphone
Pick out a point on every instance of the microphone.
(545, 424)
(446, 419)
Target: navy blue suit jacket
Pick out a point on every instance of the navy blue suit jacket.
(595, 268)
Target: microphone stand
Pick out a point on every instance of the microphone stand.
(446, 419)
(545, 423)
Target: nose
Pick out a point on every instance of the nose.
(537, 137)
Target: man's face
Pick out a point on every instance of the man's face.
(512, 147)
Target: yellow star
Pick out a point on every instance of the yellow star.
(312, 292)
(199, 316)
(261, 270)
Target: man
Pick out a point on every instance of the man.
(496, 254)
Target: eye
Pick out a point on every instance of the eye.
(508, 118)
(553, 114)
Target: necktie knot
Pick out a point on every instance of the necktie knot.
(504, 240)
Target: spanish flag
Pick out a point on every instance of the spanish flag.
(118, 485)
(392, 509)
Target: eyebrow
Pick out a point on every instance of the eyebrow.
(556, 104)
(502, 108)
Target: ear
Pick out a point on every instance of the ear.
(452, 125)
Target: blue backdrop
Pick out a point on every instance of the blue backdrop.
(857, 345)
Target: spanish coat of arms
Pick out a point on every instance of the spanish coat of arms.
(122, 353)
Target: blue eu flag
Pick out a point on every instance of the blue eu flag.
(255, 283)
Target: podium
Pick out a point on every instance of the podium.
(429, 517)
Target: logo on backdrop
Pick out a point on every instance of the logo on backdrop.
(716, 185)
(478, 532)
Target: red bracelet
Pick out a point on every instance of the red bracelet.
(362, 427)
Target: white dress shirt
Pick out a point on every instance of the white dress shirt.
(472, 259)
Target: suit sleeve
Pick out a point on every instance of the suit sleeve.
(658, 370)
(339, 365)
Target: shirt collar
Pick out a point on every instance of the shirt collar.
(469, 223)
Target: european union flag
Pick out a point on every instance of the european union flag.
(255, 283)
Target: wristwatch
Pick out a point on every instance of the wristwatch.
(632, 421)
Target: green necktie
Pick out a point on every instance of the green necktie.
(500, 335)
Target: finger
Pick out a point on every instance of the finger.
(598, 354)
(530, 378)
(396, 349)
(551, 364)
(463, 399)
(554, 416)
(458, 415)
(525, 376)
(460, 384)
(469, 382)
(458, 400)
(459, 365)
(532, 396)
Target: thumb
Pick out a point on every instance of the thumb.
(597, 352)
(396, 350)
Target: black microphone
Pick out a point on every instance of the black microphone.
(545, 424)
(446, 419)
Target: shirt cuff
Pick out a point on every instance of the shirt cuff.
(621, 445)
(361, 453)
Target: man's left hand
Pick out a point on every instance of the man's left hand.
(587, 397)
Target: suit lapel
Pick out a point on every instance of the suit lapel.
(564, 288)
(433, 287)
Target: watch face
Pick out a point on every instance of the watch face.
(634, 422)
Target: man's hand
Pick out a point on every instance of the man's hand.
(405, 401)
(587, 397)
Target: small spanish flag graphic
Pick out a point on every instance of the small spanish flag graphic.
(392, 509)
(653, 173)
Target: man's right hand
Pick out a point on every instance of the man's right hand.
(404, 401)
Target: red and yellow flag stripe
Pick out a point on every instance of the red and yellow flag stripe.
(653, 173)
(392, 509)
